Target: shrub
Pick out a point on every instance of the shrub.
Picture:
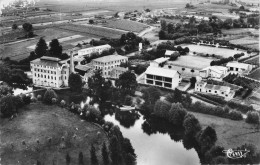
(49, 95)
(39, 97)
(128, 100)
(252, 117)
(177, 114)
(240, 107)
(92, 113)
(235, 115)
(33, 99)
(53, 100)
(62, 103)
(7, 106)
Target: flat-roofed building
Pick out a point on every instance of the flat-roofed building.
(239, 67)
(108, 63)
(50, 72)
(166, 78)
(219, 90)
(215, 72)
(98, 49)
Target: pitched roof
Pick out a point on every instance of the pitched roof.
(161, 72)
(110, 58)
(47, 61)
(96, 47)
(121, 69)
(83, 67)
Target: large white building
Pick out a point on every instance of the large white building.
(162, 77)
(108, 63)
(50, 72)
(214, 72)
(88, 51)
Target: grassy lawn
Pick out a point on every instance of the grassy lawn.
(255, 74)
(230, 133)
(40, 122)
(213, 50)
(125, 25)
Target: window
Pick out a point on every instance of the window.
(168, 79)
(149, 76)
(149, 81)
(222, 93)
(216, 92)
(158, 83)
(167, 85)
(209, 90)
(158, 78)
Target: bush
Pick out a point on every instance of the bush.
(240, 107)
(54, 100)
(128, 100)
(34, 100)
(252, 117)
(62, 103)
(49, 95)
(235, 115)
(39, 97)
(7, 106)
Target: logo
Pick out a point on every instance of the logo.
(236, 154)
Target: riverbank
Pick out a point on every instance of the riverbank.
(47, 133)
(230, 133)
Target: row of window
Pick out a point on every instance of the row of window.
(48, 77)
(158, 83)
(210, 91)
(45, 71)
(48, 67)
(108, 63)
(160, 78)
(107, 68)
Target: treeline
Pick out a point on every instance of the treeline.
(174, 110)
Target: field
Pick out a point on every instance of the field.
(92, 30)
(26, 138)
(255, 74)
(213, 50)
(125, 25)
(239, 31)
(192, 61)
(230, 133)
(253, 61)
(19, 51)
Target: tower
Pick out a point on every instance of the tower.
(71, 62)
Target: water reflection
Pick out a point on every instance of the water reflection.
(155, 142)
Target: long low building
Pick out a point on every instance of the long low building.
(166, 78)
(98, 49)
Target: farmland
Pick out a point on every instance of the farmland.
(25, 139)
(125, 25)
(255, 74)
(92, 30)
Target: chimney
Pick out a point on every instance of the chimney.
(71, 62)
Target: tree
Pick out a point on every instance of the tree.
(177, 114)
(162, 35)
(5, 90)
(93, 156)
(114, 148)
(75, 82)
(49, 95)
(41, 48)
(127, 82)
(27, 27)
(187, 5)
(161, 109)
(177, 96)
(174, 56)
(170, 28)
(193, 81)
(252, 117)
(68, 159)
(163, 25)
(105, 155)
(7, 106)
(207, 138)
(91, 21)
(55, 48)
(228, 23)
(81, 161)
(151, 95)
(191, 125)
(241, 8)
(14, 26)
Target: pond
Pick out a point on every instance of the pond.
(152, 148)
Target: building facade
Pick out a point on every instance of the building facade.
(117, 71)
(98, 49)
(161, 77)
(238, 67)
(215, 72)
(50, 72)
(107, 63)
(218, 90)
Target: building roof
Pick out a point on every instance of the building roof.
(110, 58)
(101, 46)
(237, 65)
(161, 72)
(121, 69)
(209, 86)
(83, 67)
(169, 52)
(161, 60)
(47, 61)
(217, 69)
